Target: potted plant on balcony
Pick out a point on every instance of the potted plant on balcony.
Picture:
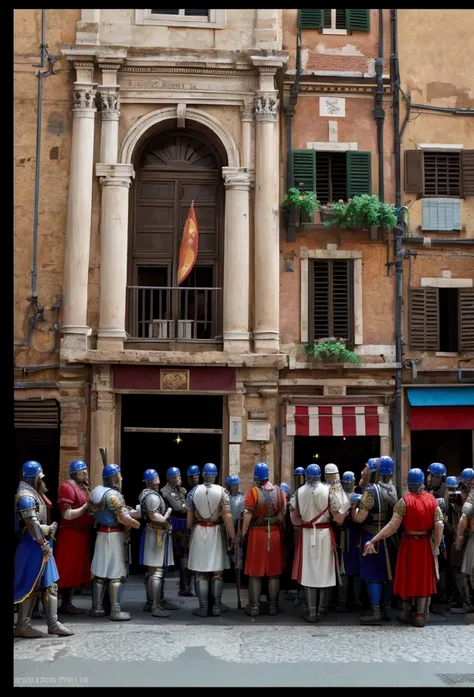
(331, 350)
(300, 206)
(363, 212)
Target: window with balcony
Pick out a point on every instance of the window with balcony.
(175, 168)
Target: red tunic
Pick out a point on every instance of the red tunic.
(415, 575)
(265, 553)
(72, 550)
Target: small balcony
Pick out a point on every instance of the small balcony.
(173, 316)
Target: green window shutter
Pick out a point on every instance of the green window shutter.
(302, 170)
(358, 20)
(359, 173)
(311, 19)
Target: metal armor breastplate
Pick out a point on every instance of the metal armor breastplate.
(379, 514)
(207, 503)
(236, 505)
(143, 506)
(25, 488)
(270, 499)
(104, 516)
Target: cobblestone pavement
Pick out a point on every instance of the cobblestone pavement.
(236, 650)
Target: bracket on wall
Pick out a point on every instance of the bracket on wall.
(413, 363)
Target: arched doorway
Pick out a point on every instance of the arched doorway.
(174, 168)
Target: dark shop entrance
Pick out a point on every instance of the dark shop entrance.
(178, 431)
(348, 453)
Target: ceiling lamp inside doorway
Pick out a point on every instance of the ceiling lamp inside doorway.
(178, 440)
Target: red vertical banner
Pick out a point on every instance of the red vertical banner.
(189, 246)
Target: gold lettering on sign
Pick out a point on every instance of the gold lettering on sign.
(176, 380)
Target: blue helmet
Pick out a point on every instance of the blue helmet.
(373, 463)
(348, 477)
(148, 475)
(77, 466)
(436, 469)
(260, 472)
(467, 475)
(415, 476)
(232, 480)
(285, 488)
(313, 471)
(356, 498)
(451, 481)
(109, 471)
(299, 470)
(173, 472)
(209, 470)
(386, 465)
(31, 469)
(192, 471)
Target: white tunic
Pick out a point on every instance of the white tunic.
(207, 549)
(318, 567)
(109, 555)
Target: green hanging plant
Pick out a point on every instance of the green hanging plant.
(305, 200)
(331, 349)
(362, 212)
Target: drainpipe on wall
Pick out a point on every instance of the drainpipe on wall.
(379, 113)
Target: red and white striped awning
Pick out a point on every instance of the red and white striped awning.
(336, 421)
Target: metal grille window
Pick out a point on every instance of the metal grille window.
(442, 174)
(331, 299)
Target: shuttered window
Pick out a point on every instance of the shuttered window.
(441, 319)
(331, 310)
(355, 20)
(437, 174)
(331, 175)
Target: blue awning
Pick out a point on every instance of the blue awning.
(441, 396)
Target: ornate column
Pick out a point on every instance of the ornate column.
(115, 180)
(78, 228)
(109, 112)
(103, 421)
(246, 113)
(236, 260)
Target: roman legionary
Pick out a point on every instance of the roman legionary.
(313, 507)
(112, 547)
(436, 480)
(299, 477)
(192, 473)
(175, 496)
(265, 507)
(286, 579)
(454, 499)
(73, 545)
(156, 548)
(208, 519)
(35, 569)
(415, 577)
(374, 512)
(466, 526)
(236, 500)
(467, 477)
(349, 549)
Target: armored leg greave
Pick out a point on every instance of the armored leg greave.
(465, 590)
(115, 592)
(99, 586)
(405, 614)
(50, 600)
(155, 589)
(217, 588)
(323, 602)
(273, 591)
(202, 587)
(149, 600)
(422, 605)
(255, 589)
(311, 597)
(23, 625)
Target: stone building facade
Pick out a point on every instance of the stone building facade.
(147, 111)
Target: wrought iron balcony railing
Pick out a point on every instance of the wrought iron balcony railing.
(174, 314)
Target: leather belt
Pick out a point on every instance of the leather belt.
(74, 527)
(414, 533)
(104, 528)
(207, 525)
(317, 526)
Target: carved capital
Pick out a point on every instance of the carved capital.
(237, 178)
(108, 102)
(83, 98)
(246, 110)
(266, 106)
(115, 175)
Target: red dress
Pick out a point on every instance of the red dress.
(265, 552)
(415, 575)
(72, 549)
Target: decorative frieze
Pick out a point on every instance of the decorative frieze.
(266, 107)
